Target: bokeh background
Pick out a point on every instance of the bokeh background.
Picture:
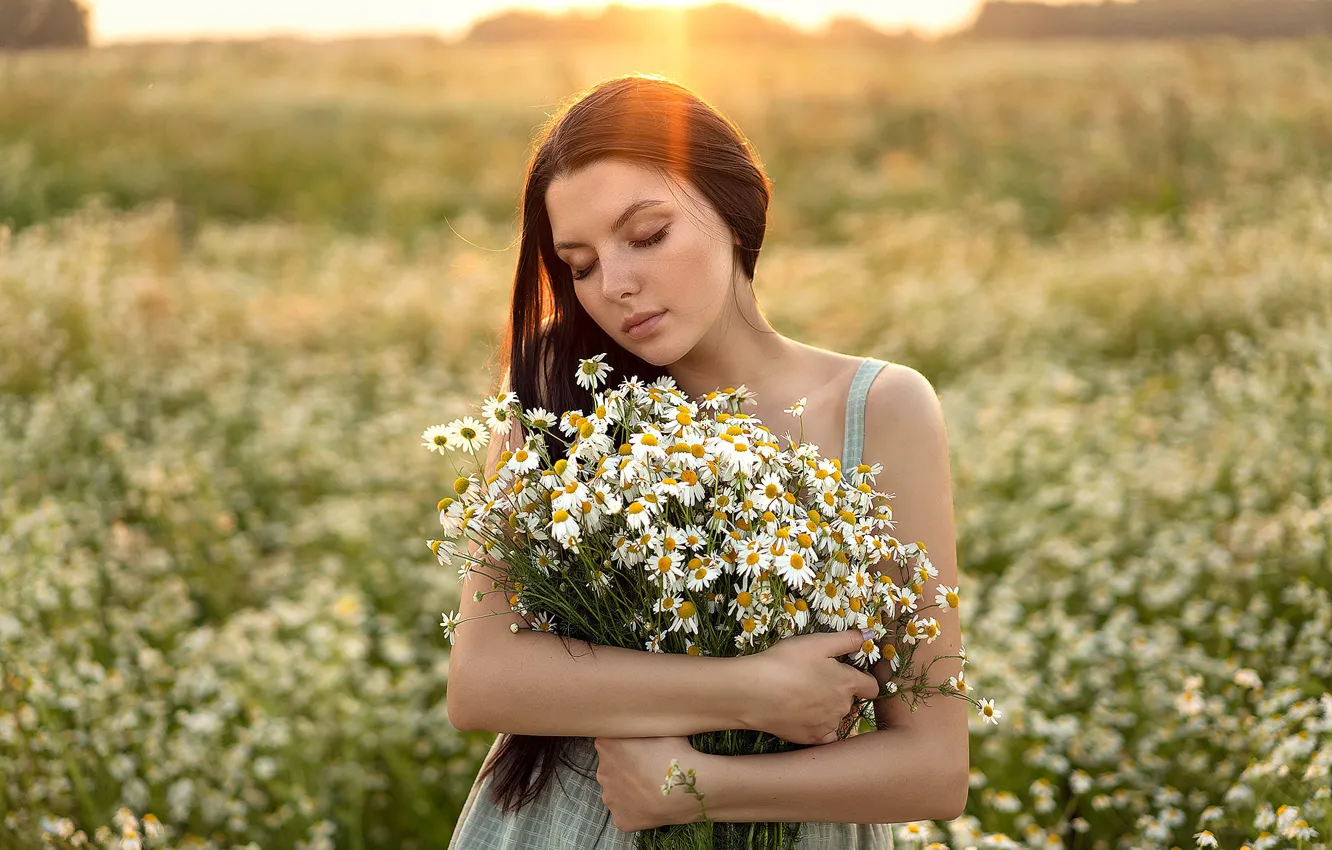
(245, 261)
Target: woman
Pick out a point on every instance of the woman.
(642, 217)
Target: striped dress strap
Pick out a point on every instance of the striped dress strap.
(854, 441)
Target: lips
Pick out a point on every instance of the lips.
(636, 319)
(648, 326)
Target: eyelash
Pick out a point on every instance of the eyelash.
(580, 274)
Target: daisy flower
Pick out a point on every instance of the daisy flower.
(947, 597)
(666, 566)
(686, 488)
(498, 413)
(639, 514)
(443, 550)
(647, 445)
(468, 433)
(544, 623)
(798, 409)
(794, 569)
(752, 559)
(436, 439)
(450, 625)
(685, 616)
(540, 417)
(592, 372)
(563, 525)
(959, 682)
(701, 574)
(524, 460)
(989, 712)
(868, 652)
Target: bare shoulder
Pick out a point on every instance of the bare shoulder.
(902, 398)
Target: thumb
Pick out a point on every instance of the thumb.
(853, 639)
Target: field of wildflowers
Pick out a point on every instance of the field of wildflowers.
(230, 301)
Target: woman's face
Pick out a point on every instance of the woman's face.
(671, 254)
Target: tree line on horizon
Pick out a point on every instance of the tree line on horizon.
(64, 23)
(997, 19)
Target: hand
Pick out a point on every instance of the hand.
(631, 772)
(802, 692)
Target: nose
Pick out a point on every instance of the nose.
(618, 281)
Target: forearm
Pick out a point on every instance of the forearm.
(534, 686)
(884, 776)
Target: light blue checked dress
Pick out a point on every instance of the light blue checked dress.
(569, 814)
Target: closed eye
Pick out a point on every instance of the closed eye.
(579, 274)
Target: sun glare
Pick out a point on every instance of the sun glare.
(115, 20)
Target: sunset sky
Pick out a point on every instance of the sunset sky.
(116, 20)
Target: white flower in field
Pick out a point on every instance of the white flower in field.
(591, 444)
(793, 568)
(685, 616)
(639, 514)
(436, 439)
(563, 526)
(1189, 703)
(541, 418)
(665, 567)
(742, 604)
(735, 453)
(467, 433)
(497, 412)
(524, 459)
(702, 572)
(959, 683)
(450, 625)
(686, 489)
(797, 409)
(1247, 677)
(451, 516)
(692, 648)
(672, 540)
(562, 472)
(713, 400)
(592, 372)
(828, 593)
(543, 622)
(1286, 817)
(947, 597)
(608, 500)
(653, 644)
(678, 419)
(989, 712)
(868, 652)
(752, 558)
(1205, 839)
(443, 551)
(1300, 830)
(769, 494)
(647, 445)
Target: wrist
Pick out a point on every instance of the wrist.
(747, 678)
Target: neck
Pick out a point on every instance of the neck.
(741, 349)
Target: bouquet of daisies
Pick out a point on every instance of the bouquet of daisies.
(662, 524)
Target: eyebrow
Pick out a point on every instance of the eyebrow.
(619, 222)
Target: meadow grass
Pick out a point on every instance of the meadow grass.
(217, 604)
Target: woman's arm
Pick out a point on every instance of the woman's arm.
(885, 776)
(529, 684)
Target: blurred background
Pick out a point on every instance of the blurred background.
(249, 251)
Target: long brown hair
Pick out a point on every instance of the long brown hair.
(652, 122)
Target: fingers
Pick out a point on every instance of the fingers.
(869, 689)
